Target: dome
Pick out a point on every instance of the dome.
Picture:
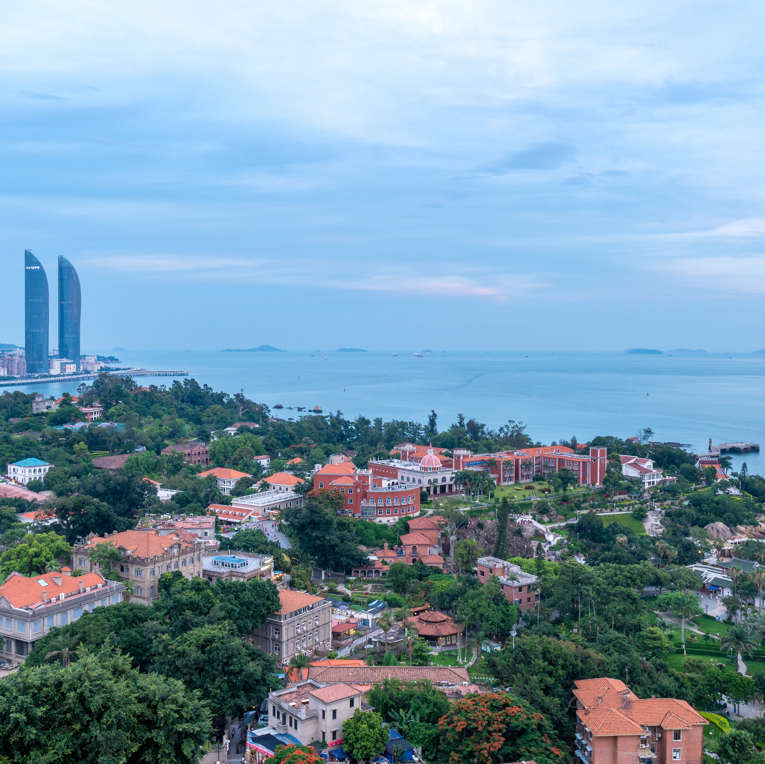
(434, 617)
(431, 461)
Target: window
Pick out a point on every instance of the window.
(64, 618)
(387, 511)
(677, 735)
(277, 633)
(139, 591)
(276, 649)
(353, 701)
(21, 627)
(176, 564)
(321, 485)
(77, 612)
(334, 734)
(151, 591)
(37, 627)
(81, 561)
(316, 621)
(183, 563)
(677, 754)
(151, 572)
(115, 599)
(334, 713)
(49, 621)
(168, 568)
(350, 501)
(323, 714)
(350, 490)
(9, 623)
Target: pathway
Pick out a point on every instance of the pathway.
(474, 658)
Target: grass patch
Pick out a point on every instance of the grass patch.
(448, 658)
(626, 519)
(711, 625)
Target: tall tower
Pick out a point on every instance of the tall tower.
(69, 308)
(36, 317)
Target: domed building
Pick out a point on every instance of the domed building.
(430, 462)
(437, 629)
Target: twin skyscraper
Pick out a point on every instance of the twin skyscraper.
(37, 308)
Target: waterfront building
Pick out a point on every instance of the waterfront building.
(518, 586)
(36, 315)
(28, 469)
(430, 472)
(145, 556)
(301, 626)
(69, 310)
(614, 726)
(30, 606)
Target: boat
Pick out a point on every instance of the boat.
(278, 406)
(317, 409)
(419, 355)
(396, 354)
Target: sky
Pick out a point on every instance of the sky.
(517, 176)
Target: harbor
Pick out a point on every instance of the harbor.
(135, 372)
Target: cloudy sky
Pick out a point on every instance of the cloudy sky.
(488, 174)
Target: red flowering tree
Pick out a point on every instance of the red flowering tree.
(295, 754)
(494, 728)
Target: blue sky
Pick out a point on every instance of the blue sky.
(478, 175)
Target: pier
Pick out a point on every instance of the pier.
(731, 448)
(136, 372)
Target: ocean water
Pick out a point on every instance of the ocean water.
(687, 399)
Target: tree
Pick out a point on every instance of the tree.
(294, 754)
(35, 553)
(365, 734)
(738, 639)
(737, 747)
(81, 515)
(99, 711)
(683, 605)
(466, 553)
(104, 555)
(64, 648)
(421, 653)
(230, 674)
(494, 728)
(655, 642)
(385, 622)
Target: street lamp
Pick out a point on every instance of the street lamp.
(513, 632)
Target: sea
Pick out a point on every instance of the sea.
(683, 398)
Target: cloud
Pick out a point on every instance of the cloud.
(548, 155)
(40, 96)
(724, 273)
(747, 227)
(407, 279)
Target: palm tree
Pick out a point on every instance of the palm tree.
(129, 591)
(409, 642)
(300, 661)
(385, 622)
(738, 639)
(64, 648)
(757, 625)
(621, 540)
(758, 579)
(661, 549)
(735, 575)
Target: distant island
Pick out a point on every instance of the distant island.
(644, 351)
(428, 351)
(108, 358)
(351, 350)
(259, 349)
(8, 346)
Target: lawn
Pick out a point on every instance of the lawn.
(711, 625)
(448, 658)
(625, 519)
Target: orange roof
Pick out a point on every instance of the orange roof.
(221, 473)
(385, 553)
(38, 514)
(233, 514)
(425, 523)
(283, 478)
(334, 692)
(143, 544)
(345, 468)
(609, 722)
(415, 538)
(292, 600)
(432, 559)
(293, 674)
(22, 591)
(344, 480)
(296, 460)
(149, 480)
(10, 491)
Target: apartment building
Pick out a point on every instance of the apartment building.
(30, 606)
(518, 586)
(614, 726)
(145, 556)
(225, 478)
(302, 625)
(27, 470)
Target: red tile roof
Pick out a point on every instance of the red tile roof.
(22, 591)
(415, 538)
(144, 544)
(335, 692)
(222, 473)
(292, 600)
(283, 478)
(345, 468)
(373, 674)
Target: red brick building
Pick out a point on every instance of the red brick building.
(367, 495)
(519, 587)
(614, 726)
(193, 452)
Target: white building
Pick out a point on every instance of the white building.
(635, 468)
(28, 469)
(58, 366)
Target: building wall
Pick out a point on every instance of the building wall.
(36, 315)
(69, 307)
(283, 632)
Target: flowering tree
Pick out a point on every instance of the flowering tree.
(493, 728)
(294, 754)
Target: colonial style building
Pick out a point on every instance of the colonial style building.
(283, 481)
(427, 469)
(144, 557)
(635, 468)
(302, 625)
(193, 452)
(28, 469)
(30, 606)
(200, 526)
(614, 726)
(225, 478)
(519, 587)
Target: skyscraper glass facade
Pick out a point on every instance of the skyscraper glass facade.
(69, 308)
(36, 315)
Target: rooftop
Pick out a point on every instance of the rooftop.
(292, 600)
(283, 478)
(143, 544)
(222, 473)
(31, 462)
(23, 592)
(240, 561)
(372, 674)
(335, 692)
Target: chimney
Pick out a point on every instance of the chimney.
(80, 585)
(57, 579)
(45, 597)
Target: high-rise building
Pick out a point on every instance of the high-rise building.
(69, 308)
(36, 316)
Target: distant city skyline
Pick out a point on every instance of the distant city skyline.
(37, 314)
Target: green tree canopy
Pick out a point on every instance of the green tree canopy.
(34, 554)
(365, 734)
